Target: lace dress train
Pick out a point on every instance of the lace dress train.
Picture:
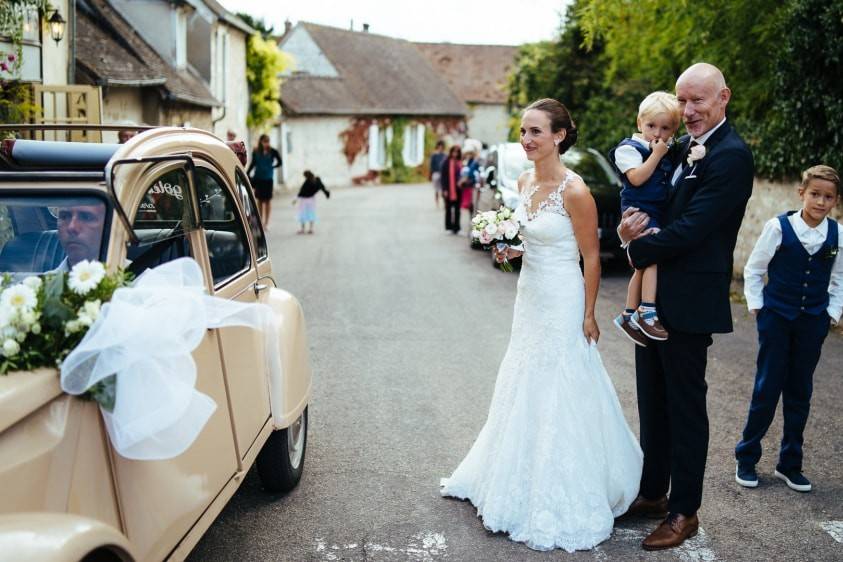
(555, 462)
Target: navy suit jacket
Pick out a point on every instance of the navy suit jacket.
(694, 250)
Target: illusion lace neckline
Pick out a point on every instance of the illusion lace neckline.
(553, 202)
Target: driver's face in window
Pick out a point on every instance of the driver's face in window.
(80, 231)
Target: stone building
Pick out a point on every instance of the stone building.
(348, 93)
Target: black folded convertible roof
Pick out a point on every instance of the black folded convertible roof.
(20, 154)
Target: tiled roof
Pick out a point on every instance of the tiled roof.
(228, 17)
(110, 51)
(477, 73)
(378, 75)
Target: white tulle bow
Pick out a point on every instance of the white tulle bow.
(145, 335)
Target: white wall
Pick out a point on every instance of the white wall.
(236, 89)
(154, 21)
(55, 57)
(315, 145)
(488, 123)
(306, 54)
(121, 105)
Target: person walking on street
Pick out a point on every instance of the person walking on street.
(307, 200)
(451, 191)
(435, 174)
(262, 173)
(469, 179)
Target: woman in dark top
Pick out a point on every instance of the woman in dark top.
(262, 173)
(451, 189)
(307, 200)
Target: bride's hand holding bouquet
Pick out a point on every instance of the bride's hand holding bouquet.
(503, 229)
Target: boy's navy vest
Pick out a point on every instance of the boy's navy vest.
(798, 281)
(655, 190)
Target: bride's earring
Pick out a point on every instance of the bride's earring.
(556, 142)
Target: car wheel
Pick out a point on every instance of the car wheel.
(281, 461)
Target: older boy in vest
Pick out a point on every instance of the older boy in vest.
(799, 252)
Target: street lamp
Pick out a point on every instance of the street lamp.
(57, 24)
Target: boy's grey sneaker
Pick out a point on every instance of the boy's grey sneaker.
(630, 331)
(794, 480)
(746, 476)
(654, 331)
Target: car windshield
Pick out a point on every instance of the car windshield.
(50, 233)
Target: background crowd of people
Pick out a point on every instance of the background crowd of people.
(455, 176)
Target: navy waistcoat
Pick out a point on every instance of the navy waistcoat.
(655, 190)
(798, 281)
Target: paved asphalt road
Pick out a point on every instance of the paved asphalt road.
(407, 326)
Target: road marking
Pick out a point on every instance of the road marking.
(697, 549)
(834, 528)
(424, 547)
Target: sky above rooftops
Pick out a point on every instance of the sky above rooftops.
(489, 22)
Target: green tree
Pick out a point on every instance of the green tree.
(264, 63)
(803, 126)
(258, 24)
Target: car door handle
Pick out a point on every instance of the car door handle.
(260, 287)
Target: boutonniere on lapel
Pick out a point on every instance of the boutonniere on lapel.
(696, 154)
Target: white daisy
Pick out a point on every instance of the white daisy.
(85, 276)
(10, 348)
(19, 297)
(33, 282)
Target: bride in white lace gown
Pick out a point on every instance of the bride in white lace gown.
(555, 462)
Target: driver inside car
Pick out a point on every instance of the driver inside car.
(80, 233)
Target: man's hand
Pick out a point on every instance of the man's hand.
(633, 224)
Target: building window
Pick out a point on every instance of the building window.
(220, 65)
(29, 66)
(413, 152)
(379, 138)
(181, 38)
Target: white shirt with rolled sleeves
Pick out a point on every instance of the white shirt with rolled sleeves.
(767, 245)
(627, 158)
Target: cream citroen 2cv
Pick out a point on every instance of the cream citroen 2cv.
(66, 493)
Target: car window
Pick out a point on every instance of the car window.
(161, 223)
(252, 216)
(40, 234)
(228, 246)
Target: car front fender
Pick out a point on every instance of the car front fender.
(58, 537)
(295, 354)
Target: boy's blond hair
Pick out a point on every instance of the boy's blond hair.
(821, 172)
(658, 103)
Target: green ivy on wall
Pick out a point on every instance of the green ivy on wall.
(398, 171)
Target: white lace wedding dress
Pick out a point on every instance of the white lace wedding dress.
(555, 462)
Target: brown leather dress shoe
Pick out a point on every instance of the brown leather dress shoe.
(672, 532)
(651, 509)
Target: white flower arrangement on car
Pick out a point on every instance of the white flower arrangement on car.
(499, 226)
(44, 317)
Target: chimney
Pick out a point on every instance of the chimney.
(288, 25)
(365, 28)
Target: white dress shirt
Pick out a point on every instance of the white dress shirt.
(768, 244)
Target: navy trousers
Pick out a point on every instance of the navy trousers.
(788, 353)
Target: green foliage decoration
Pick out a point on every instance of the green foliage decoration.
(264, 62)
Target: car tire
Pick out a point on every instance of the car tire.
(281, 461)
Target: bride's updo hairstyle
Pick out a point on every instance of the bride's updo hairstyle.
(560, 119)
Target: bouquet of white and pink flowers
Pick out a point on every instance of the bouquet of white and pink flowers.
(498, 226)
